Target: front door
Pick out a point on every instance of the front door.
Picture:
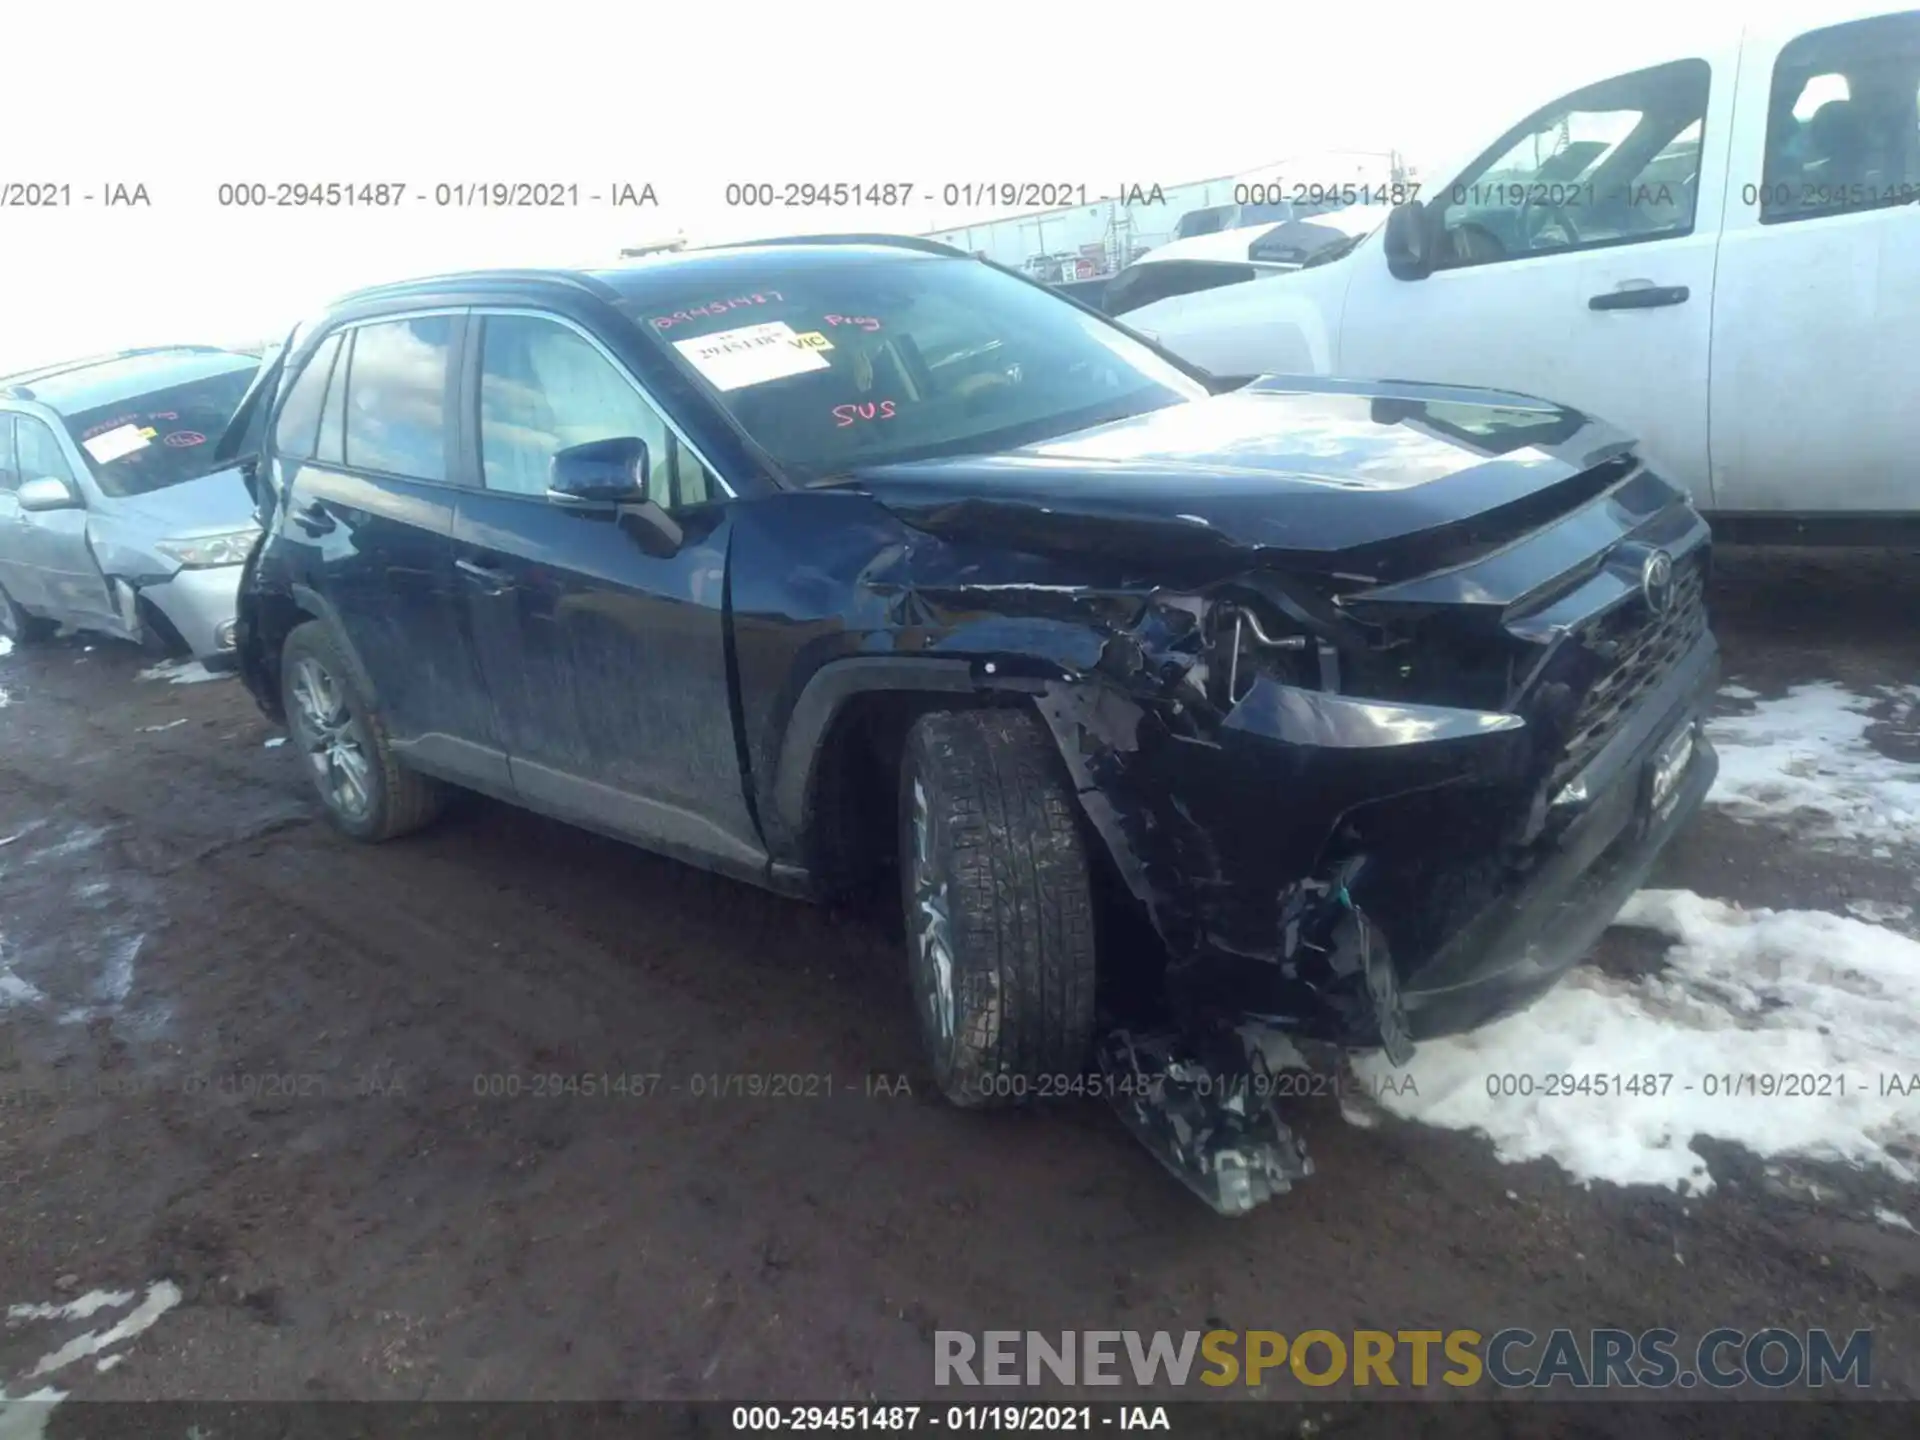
(53, 544)
(605, 655)
(16, 577)
(1575, 263)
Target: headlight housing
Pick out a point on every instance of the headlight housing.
(204, 551)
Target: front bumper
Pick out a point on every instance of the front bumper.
(1519, 946)
(200, 605)
(1407, 876)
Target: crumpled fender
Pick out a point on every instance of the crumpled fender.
(126, 555)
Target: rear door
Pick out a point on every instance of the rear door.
(1816, 316)
(604, 655)
(53, 543)
(361, 456)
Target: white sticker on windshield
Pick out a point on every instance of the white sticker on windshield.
(751, 355)
(122, 441)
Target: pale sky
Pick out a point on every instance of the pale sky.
(687, 98)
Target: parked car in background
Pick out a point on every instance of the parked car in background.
(1729, 271)
(113, 515)
(1233, 257)
(808, 560)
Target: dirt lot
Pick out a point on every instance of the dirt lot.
(296, 1078)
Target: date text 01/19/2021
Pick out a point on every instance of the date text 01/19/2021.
(1654, 1084)
(965, 1418)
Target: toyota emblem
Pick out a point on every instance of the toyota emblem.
(1656, 582)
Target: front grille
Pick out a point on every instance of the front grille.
(1638, 651)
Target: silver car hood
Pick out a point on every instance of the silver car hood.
(210, 505)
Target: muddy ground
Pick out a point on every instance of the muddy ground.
(246, 1056)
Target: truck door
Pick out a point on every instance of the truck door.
(1574, 262)
(1817, 303)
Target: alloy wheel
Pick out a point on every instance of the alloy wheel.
(332, 738)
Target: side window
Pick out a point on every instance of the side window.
(300, 412)
(9, 470)
(1843, 121)
(396, 419)
(544, 388)
(331, 449)
(1615, 163)
(39, 454)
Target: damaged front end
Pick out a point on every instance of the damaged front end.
(1365, 798)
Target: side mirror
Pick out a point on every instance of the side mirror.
(613, 475)
(599, 473)
(1407, 242)
(46, 493)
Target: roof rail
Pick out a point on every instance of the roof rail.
(47, 372)
(904, 242)
(574, 278)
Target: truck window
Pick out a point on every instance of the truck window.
(1843, 122)
(1615, 163)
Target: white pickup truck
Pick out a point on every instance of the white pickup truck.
(1720, 253)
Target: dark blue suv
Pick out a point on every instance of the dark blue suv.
(808, 559)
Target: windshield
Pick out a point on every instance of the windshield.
(162, 438)
(907, 357)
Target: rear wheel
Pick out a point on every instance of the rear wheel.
(998, 898)
(20, 627)
(367, 792)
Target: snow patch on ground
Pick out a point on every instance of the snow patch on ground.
(1893, 1219)
(15, 989)
(161, 1297)
(1804, 761)
(180, 672)
(1761, 993)
(25, 1417)
(87, 1306)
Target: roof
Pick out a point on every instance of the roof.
(79, 385)
(744, 262)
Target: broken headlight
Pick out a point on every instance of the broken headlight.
(201, 552)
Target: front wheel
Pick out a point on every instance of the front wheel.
(998, 896)
(367, 792)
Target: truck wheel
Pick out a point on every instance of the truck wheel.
(367, 792)
(17, 625)
(998, 897)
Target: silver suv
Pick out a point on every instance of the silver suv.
(113, 516)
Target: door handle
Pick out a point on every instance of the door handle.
(1640, 297)
(313, 518)
(490, 578)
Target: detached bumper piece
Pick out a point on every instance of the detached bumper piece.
(1212, 1124)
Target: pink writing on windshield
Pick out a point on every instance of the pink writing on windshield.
(845, 415)
(716, 307)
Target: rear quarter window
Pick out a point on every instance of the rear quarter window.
(299, 420)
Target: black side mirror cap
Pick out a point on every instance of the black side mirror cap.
(1408, 242)
(600, 473)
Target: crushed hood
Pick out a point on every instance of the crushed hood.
(1383, 480)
